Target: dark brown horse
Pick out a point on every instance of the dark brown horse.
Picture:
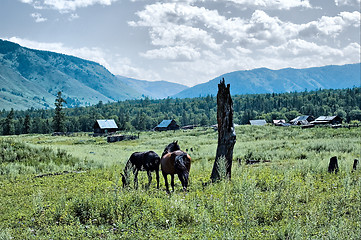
(141, 161)
(175, 161)
(171, 147)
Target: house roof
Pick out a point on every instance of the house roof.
(107, 123)
(260, 122)
(325, 118)
(279, 121)
(300, 118)
(164, 123)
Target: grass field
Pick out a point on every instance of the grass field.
(289, 195)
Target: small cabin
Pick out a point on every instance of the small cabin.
(302, 120)
(166, 125)
(259, 122)
(328, 120)
(105, 126)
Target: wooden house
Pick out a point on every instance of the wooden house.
(333, 120)
(167, 125)
(105, 127)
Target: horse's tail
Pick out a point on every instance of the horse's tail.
(180, 163)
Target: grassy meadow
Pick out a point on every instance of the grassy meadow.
(69, 187)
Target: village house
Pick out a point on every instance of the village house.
(333, 120)
(105, 126)
(167, 125)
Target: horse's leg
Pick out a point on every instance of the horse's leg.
(149, 173)
(136, 179)
(172, 181)
(157, 176)
(165, 181)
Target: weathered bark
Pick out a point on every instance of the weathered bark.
(226, 132)
(333, 165)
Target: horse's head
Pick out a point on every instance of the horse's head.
(171, 147)
(181, 165)
(125, 179)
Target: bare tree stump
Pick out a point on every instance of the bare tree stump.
(226, 132)
(333, 165)
(354, 167)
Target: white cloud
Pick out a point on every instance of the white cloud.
(333, 26)
(348, 2)
(269, 4)
(170, 26)
(38, 18)
(179, 53)
(272, 4)
(66, 5)
(173, 24)
(300, 53)
(204, 43)
(73, 16)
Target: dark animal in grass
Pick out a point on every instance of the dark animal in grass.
(333, 165)
(175, 162)
(354, 167)
(141, 161)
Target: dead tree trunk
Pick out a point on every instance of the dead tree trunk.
(226, 133)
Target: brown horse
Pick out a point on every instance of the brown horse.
(175, 162)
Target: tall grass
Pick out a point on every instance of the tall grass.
(288, 195)
(19, 158)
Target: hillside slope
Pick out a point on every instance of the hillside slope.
(31, 78)
(264, 80)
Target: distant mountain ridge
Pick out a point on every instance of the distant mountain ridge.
(264, 80)
(32, 78)
(154, 89)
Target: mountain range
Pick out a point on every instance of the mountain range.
(264, 80)
(32, 78)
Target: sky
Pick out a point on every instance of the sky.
(188, 41)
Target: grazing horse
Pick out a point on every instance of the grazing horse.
(141, 161)
(175, 161)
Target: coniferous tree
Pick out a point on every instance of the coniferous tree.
(59, 117)
(27, 122)
(9, 128)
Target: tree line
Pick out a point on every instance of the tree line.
(145, 114)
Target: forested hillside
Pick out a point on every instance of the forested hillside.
(145, 114)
